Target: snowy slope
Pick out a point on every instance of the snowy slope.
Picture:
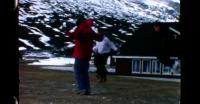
(42, 22)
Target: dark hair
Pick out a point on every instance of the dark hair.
(100, 29)
(156, 23)
(103, 31)
(80, 20)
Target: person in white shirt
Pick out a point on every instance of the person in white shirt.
(102, 50)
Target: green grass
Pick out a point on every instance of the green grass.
(39, 86)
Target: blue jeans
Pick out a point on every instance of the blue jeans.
(81, 68)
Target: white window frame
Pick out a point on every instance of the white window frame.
(155, 68)
(132, 66)
(149, 67)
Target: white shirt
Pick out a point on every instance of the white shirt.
(104, 46)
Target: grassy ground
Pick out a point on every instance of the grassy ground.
(40, 86)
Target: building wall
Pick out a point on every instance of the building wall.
(123, 66)
(141, 65)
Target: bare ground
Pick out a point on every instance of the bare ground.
(40, 86)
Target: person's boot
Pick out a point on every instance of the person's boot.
(82, 92)
(104, 79)
(87, 92)
(98, 76)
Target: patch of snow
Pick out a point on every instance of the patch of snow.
(28, 43)
(22, 48)
(54, 61)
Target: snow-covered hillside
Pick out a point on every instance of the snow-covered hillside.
(42, 22)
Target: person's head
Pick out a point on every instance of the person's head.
(89, 22)
(80, 20)
(156, 26)
(102, 31)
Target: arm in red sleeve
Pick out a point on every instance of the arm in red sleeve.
(75, 34)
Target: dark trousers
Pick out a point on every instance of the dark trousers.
(100, 62)
(81, 68)
(163, 55)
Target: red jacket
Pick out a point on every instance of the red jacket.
(84, 36)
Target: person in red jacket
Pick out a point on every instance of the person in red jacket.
(84, 36)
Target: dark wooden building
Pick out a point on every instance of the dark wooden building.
(138, 55)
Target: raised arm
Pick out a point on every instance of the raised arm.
(112, 45)
(74, 33)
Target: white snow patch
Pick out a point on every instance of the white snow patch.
(178, 1)
(124, 32)
(104, 27)
(73, 29)
(94, 29)
(71, 20)
(36, 31)
(129, 34)
(70, 45)
(54, 61)
(22, 48)
(28, 44)
(115, 35)
(105, 24)
(57, 35)
(56, 30)
(38, 54)
(120, 40)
